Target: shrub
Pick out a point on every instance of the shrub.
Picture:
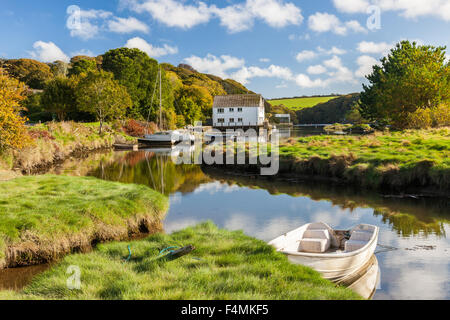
(441, 115)
(12, 124)
(420, 119)
(134, 128)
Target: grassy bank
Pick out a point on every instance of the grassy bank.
(413, 158)
(296, 104)
(45, 217)
(225, 265)
(53, 142)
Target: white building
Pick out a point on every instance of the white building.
(238, 111)
(283, 118)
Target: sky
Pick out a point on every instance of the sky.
(279, 48)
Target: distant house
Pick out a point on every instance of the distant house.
(238, 111)
(283, 118)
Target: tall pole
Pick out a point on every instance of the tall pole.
(160, 100)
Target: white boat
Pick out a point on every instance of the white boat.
(167, 138)
(336, 254)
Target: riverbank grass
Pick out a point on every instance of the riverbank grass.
(225, 265)
(412, 158)
(45, 217)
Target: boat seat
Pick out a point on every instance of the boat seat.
(314, 245)
(353, 245)
(316, 234)
(315, 241)
(361, 236)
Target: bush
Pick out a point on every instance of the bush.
(420, 119)
(441, 115)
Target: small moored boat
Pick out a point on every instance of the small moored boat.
(336, 254)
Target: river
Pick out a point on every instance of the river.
(417, 230)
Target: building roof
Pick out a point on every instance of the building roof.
(237, 100)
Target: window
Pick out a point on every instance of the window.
(220, 110)
(221, 120)
(231, 110)
(239, 109)
(240, 120)
(231, 120)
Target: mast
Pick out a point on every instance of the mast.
(160, 100)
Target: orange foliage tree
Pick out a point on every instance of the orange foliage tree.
(13, 133)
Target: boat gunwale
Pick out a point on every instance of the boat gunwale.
(329, 255)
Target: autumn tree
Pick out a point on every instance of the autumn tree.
(82, 66)
(99, 94)
(59, 97)
(34, 73)
(410, 78)
(13, 133)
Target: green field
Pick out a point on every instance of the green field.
(296, 104)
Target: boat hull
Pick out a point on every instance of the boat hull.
(332, 266)
(336, 268)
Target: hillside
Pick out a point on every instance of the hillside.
(187, 94)
(215, 85)
(332, 111)
(296, 104)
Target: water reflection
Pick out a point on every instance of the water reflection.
(419, 268)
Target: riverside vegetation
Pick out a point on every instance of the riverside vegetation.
(225, 265)
(45, 217)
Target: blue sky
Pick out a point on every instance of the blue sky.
(275, 47)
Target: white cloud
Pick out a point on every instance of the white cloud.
(365, 64)
(174, 13)
(215, 65)
(48, 52)
(227, 66)
(317, 69)
(235, 18)
(82, 52)
(83, 23)
(152, 51)
(332, 51)
(304, 81)
(127, 25)
(265, 60)
(407, 8)
(275, 13)
(325, 22)
(351, 6)
(305, 55)
(246, 73)
(381, 48)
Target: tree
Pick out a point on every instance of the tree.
(191, 111)
(99, 94)
(34, 73)
(13, 133)
(59, 68)
(409, 78)
(138, 72)
(59, 97)
(82, 67)
(201, 97)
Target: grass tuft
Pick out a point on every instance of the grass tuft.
(45, 217)
(225, 265)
